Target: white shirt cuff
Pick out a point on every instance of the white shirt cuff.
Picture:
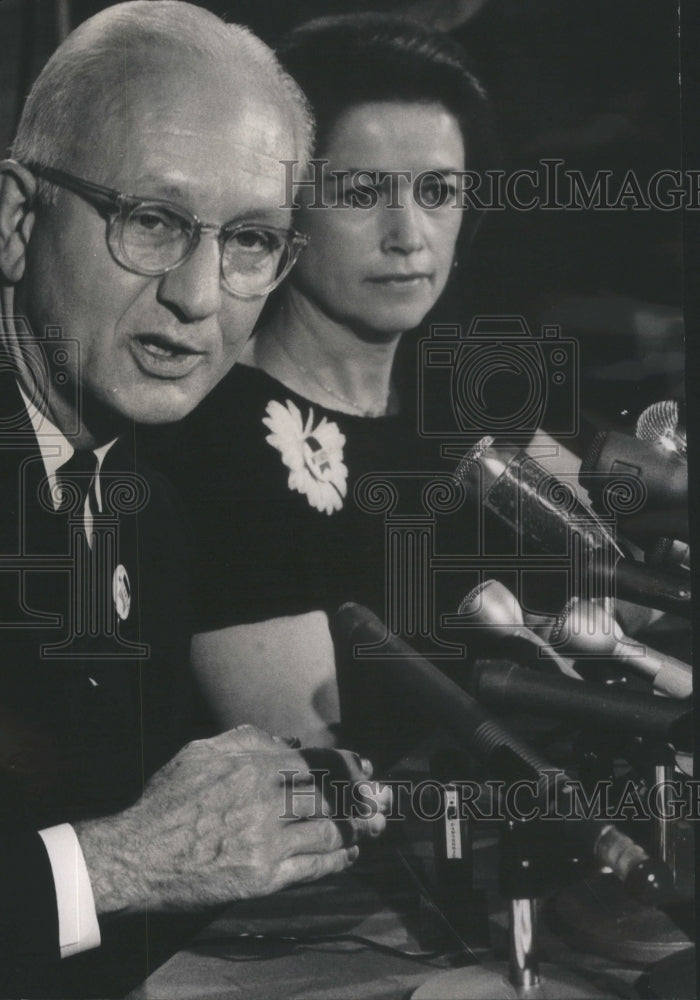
(78, 929)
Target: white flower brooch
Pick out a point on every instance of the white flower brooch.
(313, 455)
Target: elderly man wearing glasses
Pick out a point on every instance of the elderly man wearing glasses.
(141, 228)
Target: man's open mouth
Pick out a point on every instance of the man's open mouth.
(161, 346)
(163, 356)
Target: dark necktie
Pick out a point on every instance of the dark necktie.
(79, 474)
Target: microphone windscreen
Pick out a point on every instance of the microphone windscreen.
(589, 462)
(491, 604)
(662, 422)
(467, 602)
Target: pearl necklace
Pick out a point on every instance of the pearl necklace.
(327, 388)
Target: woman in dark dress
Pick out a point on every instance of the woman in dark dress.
(270, 462)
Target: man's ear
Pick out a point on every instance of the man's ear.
(17, 189)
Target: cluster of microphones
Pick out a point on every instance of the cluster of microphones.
(639, 481)
(630, 541)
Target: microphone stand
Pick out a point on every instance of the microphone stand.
(522, 879)
(662, 831)
(595, 915)
(432, 696)
(656, 759)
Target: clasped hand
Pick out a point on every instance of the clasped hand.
(232, 817)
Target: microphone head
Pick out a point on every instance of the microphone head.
(559, 628)
(493, 605)
(660, 422)
(348, 618)
(584, 627)
(589, 462)
(541, 509)
(668, 553)
(467, 466)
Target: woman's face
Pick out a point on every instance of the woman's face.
(379, 269)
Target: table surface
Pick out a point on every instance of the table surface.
(379, 900)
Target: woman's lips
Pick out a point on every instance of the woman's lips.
(400, 281)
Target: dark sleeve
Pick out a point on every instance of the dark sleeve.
(257, 569)
(29, 947)
(258, 549)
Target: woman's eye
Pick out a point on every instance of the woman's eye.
(361, 189)
(436, 192)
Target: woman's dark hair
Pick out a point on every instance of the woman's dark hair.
(350, 59)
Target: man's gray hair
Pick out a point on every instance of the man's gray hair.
(84, 73)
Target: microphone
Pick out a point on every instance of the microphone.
(504, 685)
(619, 464)
(492, 606)
(661, 422)
(549, 518)
(538, 506)
(667, 552)
(663, 589)
(429, 693)
(586, 628)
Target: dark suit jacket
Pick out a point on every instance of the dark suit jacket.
(89, 700)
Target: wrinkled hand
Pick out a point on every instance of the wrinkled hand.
(220, 822)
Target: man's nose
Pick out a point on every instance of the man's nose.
(403, 228)
(194, 288)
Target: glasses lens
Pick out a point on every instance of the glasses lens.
(153, 237)
(255, 259)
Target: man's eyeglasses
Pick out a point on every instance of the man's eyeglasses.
(151, 237)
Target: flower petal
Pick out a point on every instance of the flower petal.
(322, 478)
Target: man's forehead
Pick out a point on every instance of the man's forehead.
(167, 125)
(250, 128)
